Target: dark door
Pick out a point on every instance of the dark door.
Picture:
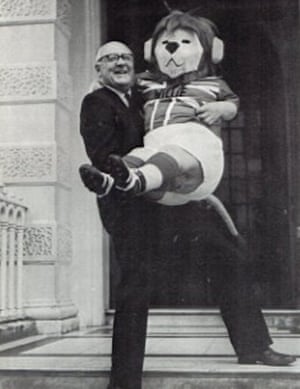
(257, 183)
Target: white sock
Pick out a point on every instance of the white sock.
(153, 176)
(130, 182)
(108, 184)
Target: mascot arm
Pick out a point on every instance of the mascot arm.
(212, 112)
(226, 94)
(225, 108)
(228, 108)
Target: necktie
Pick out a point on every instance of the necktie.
(128, 98)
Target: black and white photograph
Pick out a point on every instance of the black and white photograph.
(149, 194)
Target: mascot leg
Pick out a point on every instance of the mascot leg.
(167, 169)
(134, 181)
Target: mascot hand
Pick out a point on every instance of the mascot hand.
(212, 112)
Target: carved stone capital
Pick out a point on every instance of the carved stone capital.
(40, 242)
(17, 11)
(47, 242)
(28, 163)
(36, 11)
(34, 82)
(35, 162)
(27, 82)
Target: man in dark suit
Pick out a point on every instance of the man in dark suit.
(111, 122)
(142, 232)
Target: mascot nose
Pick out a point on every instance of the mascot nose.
(172, 47)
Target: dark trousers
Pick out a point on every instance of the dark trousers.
(232, 282)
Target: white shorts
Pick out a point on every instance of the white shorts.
(198, 141)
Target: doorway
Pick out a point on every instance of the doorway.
(256, 183)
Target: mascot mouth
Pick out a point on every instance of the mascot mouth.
(172, 60)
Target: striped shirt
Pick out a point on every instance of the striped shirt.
(166, 104)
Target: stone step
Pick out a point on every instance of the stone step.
(100, 345)
(160, 373)
(81, 360)
(209, 320)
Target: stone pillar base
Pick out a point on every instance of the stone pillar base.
(54, 319)
(57, 326)
(16, 329)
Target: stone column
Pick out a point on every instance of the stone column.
(35, 121)
(90, 272)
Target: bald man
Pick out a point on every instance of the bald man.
(110, 124)
(114, 64)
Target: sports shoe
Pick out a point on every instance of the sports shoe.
(131, 181)
(95, 180)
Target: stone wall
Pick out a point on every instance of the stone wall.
(36, 103)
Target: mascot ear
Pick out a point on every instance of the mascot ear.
(148, 50)
(217, 51)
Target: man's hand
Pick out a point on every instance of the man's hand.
(212, 112)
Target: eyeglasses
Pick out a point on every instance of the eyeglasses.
(115, 57)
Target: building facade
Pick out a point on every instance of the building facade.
(46, 67)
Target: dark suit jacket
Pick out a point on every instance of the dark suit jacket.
(108, 126)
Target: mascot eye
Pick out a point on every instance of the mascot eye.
(187, 41)
(165, 42)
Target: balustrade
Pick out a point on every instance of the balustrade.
(12, 225)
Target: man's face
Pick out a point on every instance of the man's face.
(115, 66)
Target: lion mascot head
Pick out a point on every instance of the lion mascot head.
(182, 43)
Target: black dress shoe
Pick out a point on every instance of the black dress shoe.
(268, 357)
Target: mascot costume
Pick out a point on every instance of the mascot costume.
(185, 103)
(182, 158)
